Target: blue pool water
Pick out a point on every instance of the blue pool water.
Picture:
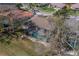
(38, 36)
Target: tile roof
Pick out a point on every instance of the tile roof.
(19, 14)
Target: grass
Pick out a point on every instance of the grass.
(18, 48)
(67, 12)
(73, 13)
(47, 9)
(22, 48)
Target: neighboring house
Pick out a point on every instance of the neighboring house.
(7, 6)
(58, 5)
(75, 6)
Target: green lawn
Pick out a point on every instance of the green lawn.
(73, 13)
(68, 12)
(47, 9)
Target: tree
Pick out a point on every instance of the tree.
(69, 5)
(19, 5)
(59, 37)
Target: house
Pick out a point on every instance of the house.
(13, 16)
(42, 22)
(58, 5)
(38, 27)
(12, 10)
